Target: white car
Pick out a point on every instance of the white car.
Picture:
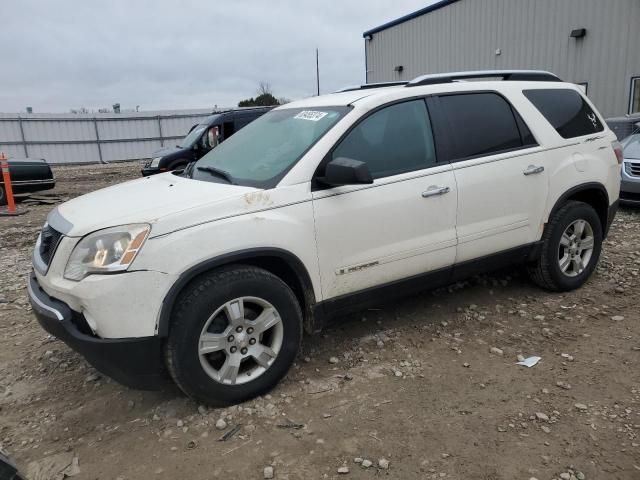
(320, 207)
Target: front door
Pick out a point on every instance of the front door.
(400, 226)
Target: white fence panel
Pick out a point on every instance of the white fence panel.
(179, 126)
(128, 129)
(65, 153)
(58, 130)
(91, 138)
(114, 151)
(12, 150)
(10, 131)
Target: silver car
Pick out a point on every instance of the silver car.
(630, 186)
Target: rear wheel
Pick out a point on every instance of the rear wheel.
(572, 243)
(234, 335)
(3, 196)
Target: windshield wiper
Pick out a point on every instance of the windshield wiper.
(218, 172)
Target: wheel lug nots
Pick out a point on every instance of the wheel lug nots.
(243, 351)
(238, 329)
(233, 349)
(250, 330)
(231, 338)
(252, 341)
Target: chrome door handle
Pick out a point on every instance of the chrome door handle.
(434, 190)
(532, 170)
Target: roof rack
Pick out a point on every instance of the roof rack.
(507, 75)
(367, 86)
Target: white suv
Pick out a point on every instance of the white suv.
(322, 206)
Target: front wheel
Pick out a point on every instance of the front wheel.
(234, 335)
(571, 247)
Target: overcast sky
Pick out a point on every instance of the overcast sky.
(63, 54)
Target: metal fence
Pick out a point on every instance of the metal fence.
(94, 138)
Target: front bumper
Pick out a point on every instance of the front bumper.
(133, 362)
(630, 190)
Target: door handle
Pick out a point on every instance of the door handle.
(434, 190)
(532, 170)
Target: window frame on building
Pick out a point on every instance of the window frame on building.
(634, 91)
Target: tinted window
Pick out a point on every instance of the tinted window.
(566, 110)
(393, 140)
(481, 124)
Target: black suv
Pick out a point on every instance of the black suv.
(201, 138)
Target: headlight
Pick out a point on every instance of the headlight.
(106, 251)
(155, 162)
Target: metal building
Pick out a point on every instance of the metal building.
(591, 42)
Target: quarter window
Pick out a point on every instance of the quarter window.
(393, 140)
(483, 124)
(566, 110)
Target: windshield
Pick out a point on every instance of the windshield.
(261, 153)
(631, 147)
(193, 136)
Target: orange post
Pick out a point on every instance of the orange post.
(6, 177)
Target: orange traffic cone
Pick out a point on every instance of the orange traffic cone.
(6, 180)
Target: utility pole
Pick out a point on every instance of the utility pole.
(317, 73)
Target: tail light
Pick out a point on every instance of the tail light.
(617, 149)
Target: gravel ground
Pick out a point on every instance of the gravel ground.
(422, 388)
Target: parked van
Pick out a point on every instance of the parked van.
(201, 138)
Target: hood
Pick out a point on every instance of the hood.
(163, 152)
(146, 200)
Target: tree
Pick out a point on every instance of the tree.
(264, 88)
(264, 98)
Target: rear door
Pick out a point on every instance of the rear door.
(400, 226)
(500, 174)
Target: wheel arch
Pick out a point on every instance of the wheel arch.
(281, 263)
(591, 193)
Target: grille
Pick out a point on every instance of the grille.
(633, 168)
(49, 239)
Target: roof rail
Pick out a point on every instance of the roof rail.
(367, 86)
(507, 75)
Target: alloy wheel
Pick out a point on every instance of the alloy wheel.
(576, 248)
(241, 340)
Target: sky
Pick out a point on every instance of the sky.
(66, 54)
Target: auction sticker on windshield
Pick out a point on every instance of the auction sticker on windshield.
(310, 115)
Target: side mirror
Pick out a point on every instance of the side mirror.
(346, 171)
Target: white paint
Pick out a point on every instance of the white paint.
(349, 238)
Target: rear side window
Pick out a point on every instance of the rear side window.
(483, 124)
(566, 110)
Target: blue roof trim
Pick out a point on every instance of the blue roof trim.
(418, 13)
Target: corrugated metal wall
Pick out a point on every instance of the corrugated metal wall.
(82, 138)
(531, 34)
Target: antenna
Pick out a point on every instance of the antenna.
(317, 74)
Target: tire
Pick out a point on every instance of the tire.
(547, 271)
(3, 195)
(209, 378)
